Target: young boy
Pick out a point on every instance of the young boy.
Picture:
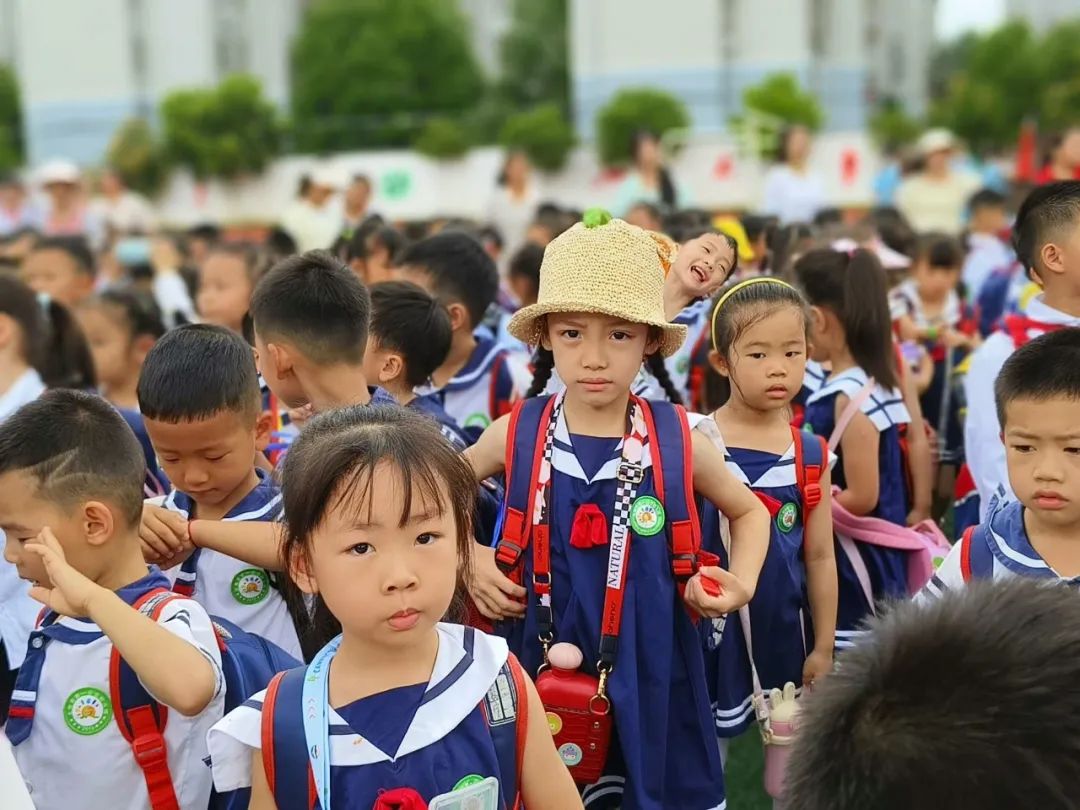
(964, 703)
(1046, 235)
(410, 336)
(1038, 405)
(71, 475)
(226, 281)
(199, 397)
(476, 384)
(987, 250)
(61, 267)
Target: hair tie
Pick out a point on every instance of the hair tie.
(734, 289)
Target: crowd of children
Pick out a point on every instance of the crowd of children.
(546, 538)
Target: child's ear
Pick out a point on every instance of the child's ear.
(98, 523)
(393, 366)
(280, 359)
(264, 426)
(459, 316)
(1053, 258)
(719, 363)
(301, 574)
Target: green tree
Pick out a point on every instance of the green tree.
(779, 96)
(442, 139)
(224, 132)
(368, 72)
(892, 127)
(1060, 56)
(11, 147)
(543, 133)
(631, 111)
(535, 65)
(137, 156)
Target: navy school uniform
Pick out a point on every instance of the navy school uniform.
(156, 482)
(430, 737)
(431, 406)
(664, 752)
(887, 567)
(779, 606)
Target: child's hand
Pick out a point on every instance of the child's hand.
(302, 415)
(818, 664)
(71, 592)
(493, 593)
(917, 515)
(733, 594)
(164, 536)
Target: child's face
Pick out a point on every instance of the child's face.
(597, 356)
(388, 584)
(767, 360)
(209, 459)
(989, 219)
(110, 345)
(524, 289)
(56, 274)
(1042, 449)
(935, 283)
(23, 514)
(378, 263)
(703, 265)
(224, 291)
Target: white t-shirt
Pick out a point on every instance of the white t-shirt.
(75, 756)
(936, 205)
(793, 196)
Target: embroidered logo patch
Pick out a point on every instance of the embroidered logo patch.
(786, 517)
(468, 781)
(250, 586)
(682, 365)
(479, 420)
(570, 754)
(87, 711)
(647, 515)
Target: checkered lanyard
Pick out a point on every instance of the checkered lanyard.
(630, 474)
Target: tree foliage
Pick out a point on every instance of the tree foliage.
(543, 133)
(779, 96)
(442, 138)
(11, 146)
(368, 73)
(137, 156)
(631, 111)
(222, 132)
(535, 65)
(891, 126)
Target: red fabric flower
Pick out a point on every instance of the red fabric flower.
(400, 799)
(590, 527)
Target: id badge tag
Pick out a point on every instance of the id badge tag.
(481, 796)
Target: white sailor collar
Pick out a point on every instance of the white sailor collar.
(884, 407)
(566, 461)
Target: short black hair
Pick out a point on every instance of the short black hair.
(1045, 212)
(941, 251)
(1046, 368)
(77, 447)
(318, 304)
(197, 371)
(75, 247)
(986, 198)
(205, 230)
(961, 703)
(526, 263)
(405, 319)
(460, 270)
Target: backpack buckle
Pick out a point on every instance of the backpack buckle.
(507, 555)
(812, 495)
(630, 473)
(149, 749)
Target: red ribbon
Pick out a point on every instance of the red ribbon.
(590, 527)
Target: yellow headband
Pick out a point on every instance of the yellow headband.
(732, 290)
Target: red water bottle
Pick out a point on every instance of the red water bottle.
(578, 713)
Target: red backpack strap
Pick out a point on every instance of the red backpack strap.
(520, 687)
(270, 713)
(143, 725)
(808, 476)
(496, 405)
(965, 553)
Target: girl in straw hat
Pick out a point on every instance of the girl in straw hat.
(601, 528)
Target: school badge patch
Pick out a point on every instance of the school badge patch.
(250, 586)
(786, 517)
(477, 420)
(647, 516)
(87, 711)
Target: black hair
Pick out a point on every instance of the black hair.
(756, 225)
(245, 252)
(941, 251)
(986, 198)
(668, 195)
(197, 371)
(952, 703)
(1046, 368)
(139, 310)
(543, 365)
(206, 231)
(525, 264)
(652, 210)
(742, 309)
(1043, 215)
(389, 238)
(460, 270)
(279, 243)
(331, 464)
(405, 319)
(784, 244)
(655, 365)
(75, 248)
(854, 288)
(316, 302)
(76, 447)
(355, 244)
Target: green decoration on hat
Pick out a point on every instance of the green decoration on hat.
(595, 217)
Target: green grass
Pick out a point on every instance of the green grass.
(743, 774)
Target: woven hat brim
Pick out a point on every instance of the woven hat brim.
(527, 324)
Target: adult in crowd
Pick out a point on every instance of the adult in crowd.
(935, 197)
(312, 220)
(793, 192)
(1063, 158)
(648, 180)
(357, 200)
(67, 212)
(123, 210)
(17, 212)
(513, 205)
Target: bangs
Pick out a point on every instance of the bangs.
(416, 479)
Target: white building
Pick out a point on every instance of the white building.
(849, 52)
(1043, 14)
(85, 66)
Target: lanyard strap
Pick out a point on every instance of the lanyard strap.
(316, 702)
(630, 474)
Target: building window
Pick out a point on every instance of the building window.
(230, 40)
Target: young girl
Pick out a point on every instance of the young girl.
(759, 334)
(851, 333)
(226, 281)
(594, 450)
(379, 530)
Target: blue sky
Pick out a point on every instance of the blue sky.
(954, 17)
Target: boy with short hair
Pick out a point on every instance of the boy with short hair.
(1046, 234)
(963, 703)
(476, 384)
(61, 267)
(200, 402)
(71, 475)
(1038, 405)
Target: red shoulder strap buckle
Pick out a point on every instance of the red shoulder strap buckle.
(808, 477)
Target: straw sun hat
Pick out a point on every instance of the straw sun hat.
(606, 266)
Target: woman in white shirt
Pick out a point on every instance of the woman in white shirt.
(794, 193)
(512, 208)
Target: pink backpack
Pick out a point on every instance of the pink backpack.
(925, 540)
